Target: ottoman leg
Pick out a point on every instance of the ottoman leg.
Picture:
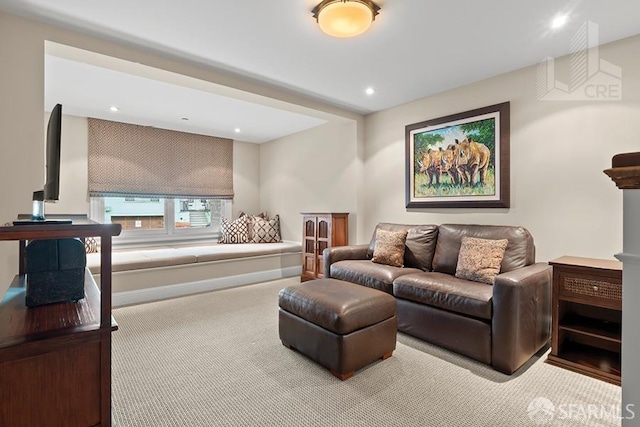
(347, 375)
(342, 376)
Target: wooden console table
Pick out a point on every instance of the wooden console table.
(55, 360)
(587, 317)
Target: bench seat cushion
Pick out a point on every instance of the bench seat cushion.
(166, 256)
(446, 292)
(222, 252)
(135, 260)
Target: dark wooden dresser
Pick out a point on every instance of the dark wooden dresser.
(587, 316)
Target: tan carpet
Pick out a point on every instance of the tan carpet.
(215, 360)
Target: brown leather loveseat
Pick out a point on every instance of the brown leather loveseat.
(502, 324)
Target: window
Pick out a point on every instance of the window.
(167, 167)
(153, 219)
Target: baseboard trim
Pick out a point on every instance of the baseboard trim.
(172, 291)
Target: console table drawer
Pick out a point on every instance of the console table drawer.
(604, 289)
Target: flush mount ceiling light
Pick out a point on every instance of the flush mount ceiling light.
(345, 18)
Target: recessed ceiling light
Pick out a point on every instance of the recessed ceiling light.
(559, 21)
(237, 130)
(114, 109)
(369, 91)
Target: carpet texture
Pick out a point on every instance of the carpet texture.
(216, 360)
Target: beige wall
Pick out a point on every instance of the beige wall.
(312, 171)
(246, 177)
(558, 152)
(22, 159)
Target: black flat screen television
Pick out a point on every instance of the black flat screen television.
(54, 133)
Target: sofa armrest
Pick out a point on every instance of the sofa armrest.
(339, 253)
(521, 321)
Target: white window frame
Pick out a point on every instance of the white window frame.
(170, 234)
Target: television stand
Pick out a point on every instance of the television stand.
(55, 360)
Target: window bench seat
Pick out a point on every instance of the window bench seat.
(142, 275)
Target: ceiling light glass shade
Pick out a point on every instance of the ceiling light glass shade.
(345, 18)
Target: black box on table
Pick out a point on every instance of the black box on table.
(55, 271)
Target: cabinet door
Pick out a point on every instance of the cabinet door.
(323, 242)
(309, 247)
(61, 384)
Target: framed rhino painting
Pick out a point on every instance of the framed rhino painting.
(459, 161)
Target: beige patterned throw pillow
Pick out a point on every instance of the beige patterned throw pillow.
(389, 248)
(266, 231)
(250, 219)
(479, 260)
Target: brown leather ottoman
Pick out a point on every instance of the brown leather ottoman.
(341, 325)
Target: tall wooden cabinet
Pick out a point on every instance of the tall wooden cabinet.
(587, 317)
(55, 360)
(321, 231)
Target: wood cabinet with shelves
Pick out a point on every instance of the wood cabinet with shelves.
(319, 232)
(55, 359)
(587, 317)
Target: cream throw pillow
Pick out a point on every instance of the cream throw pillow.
(389, 248)
(250, 220)
(479, 260)
(266, 231)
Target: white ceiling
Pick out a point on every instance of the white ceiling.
(415, 48)
(89, 90)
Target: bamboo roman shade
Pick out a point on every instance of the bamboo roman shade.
(126, 160)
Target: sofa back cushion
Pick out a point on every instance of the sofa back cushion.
(419, 246)
(520, 250)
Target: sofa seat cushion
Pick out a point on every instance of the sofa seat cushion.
(446, 292)
(367, 273)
